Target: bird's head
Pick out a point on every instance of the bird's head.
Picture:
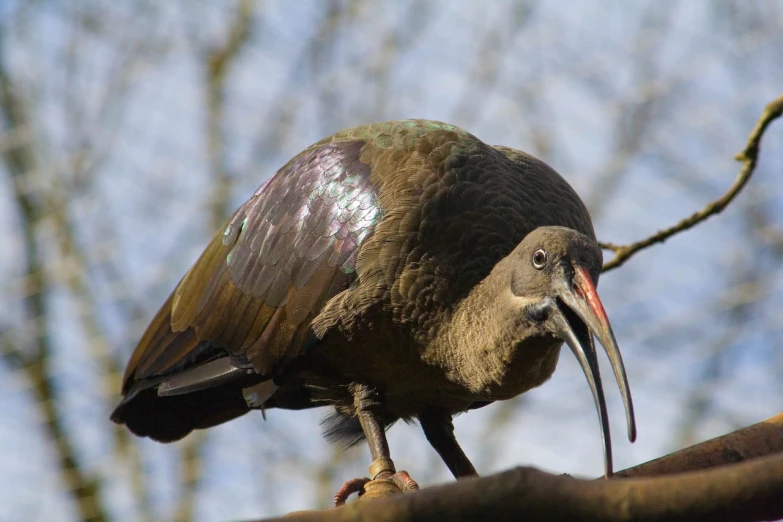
(554, 271)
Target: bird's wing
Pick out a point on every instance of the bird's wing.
(265, 276)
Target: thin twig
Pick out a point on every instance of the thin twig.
(748, 157)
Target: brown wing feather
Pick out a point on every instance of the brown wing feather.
(253, 292)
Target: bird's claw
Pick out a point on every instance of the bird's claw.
(401, 479)
(349, 488)
(385, 483)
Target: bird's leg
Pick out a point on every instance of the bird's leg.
(368, 406)
(439, 431)
(369, 409)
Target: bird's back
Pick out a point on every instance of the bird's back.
(452, 207)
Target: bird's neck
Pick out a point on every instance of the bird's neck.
(486, 346)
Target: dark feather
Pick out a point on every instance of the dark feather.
(345, 430)
(207, 375)
(342, 429)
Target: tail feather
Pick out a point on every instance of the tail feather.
(342, 429)
(345, 430)
(167, 419)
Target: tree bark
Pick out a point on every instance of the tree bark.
(735, 477)
(759, 440)
(745, 492)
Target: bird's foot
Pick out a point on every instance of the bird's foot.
(400, 479)
(386, 481)
(349, 488)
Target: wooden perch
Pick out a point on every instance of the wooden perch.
(745, 483)
(759, 440)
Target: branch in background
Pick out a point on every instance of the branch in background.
(749, 491)
(278, 123)
(400, 37)
(488, 64)
(742, 300)
(748, 157)
(321, 64)
(189, 475)
(20, 162)
(636, 115)
(87, 146)
(75, 275)
(218, 61)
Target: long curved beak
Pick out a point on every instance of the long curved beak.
(578, 300)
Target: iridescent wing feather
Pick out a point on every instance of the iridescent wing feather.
(246, 305)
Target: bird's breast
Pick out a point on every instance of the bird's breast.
(507, 371)
(529, 364)
(412, 382)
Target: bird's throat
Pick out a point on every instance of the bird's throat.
(491, 353)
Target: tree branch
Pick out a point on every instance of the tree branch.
(758, 440)
(748, 157)
(688, 491)
(749, 491)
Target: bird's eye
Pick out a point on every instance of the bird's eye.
(539, 258)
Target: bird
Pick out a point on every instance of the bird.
(396, 270)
